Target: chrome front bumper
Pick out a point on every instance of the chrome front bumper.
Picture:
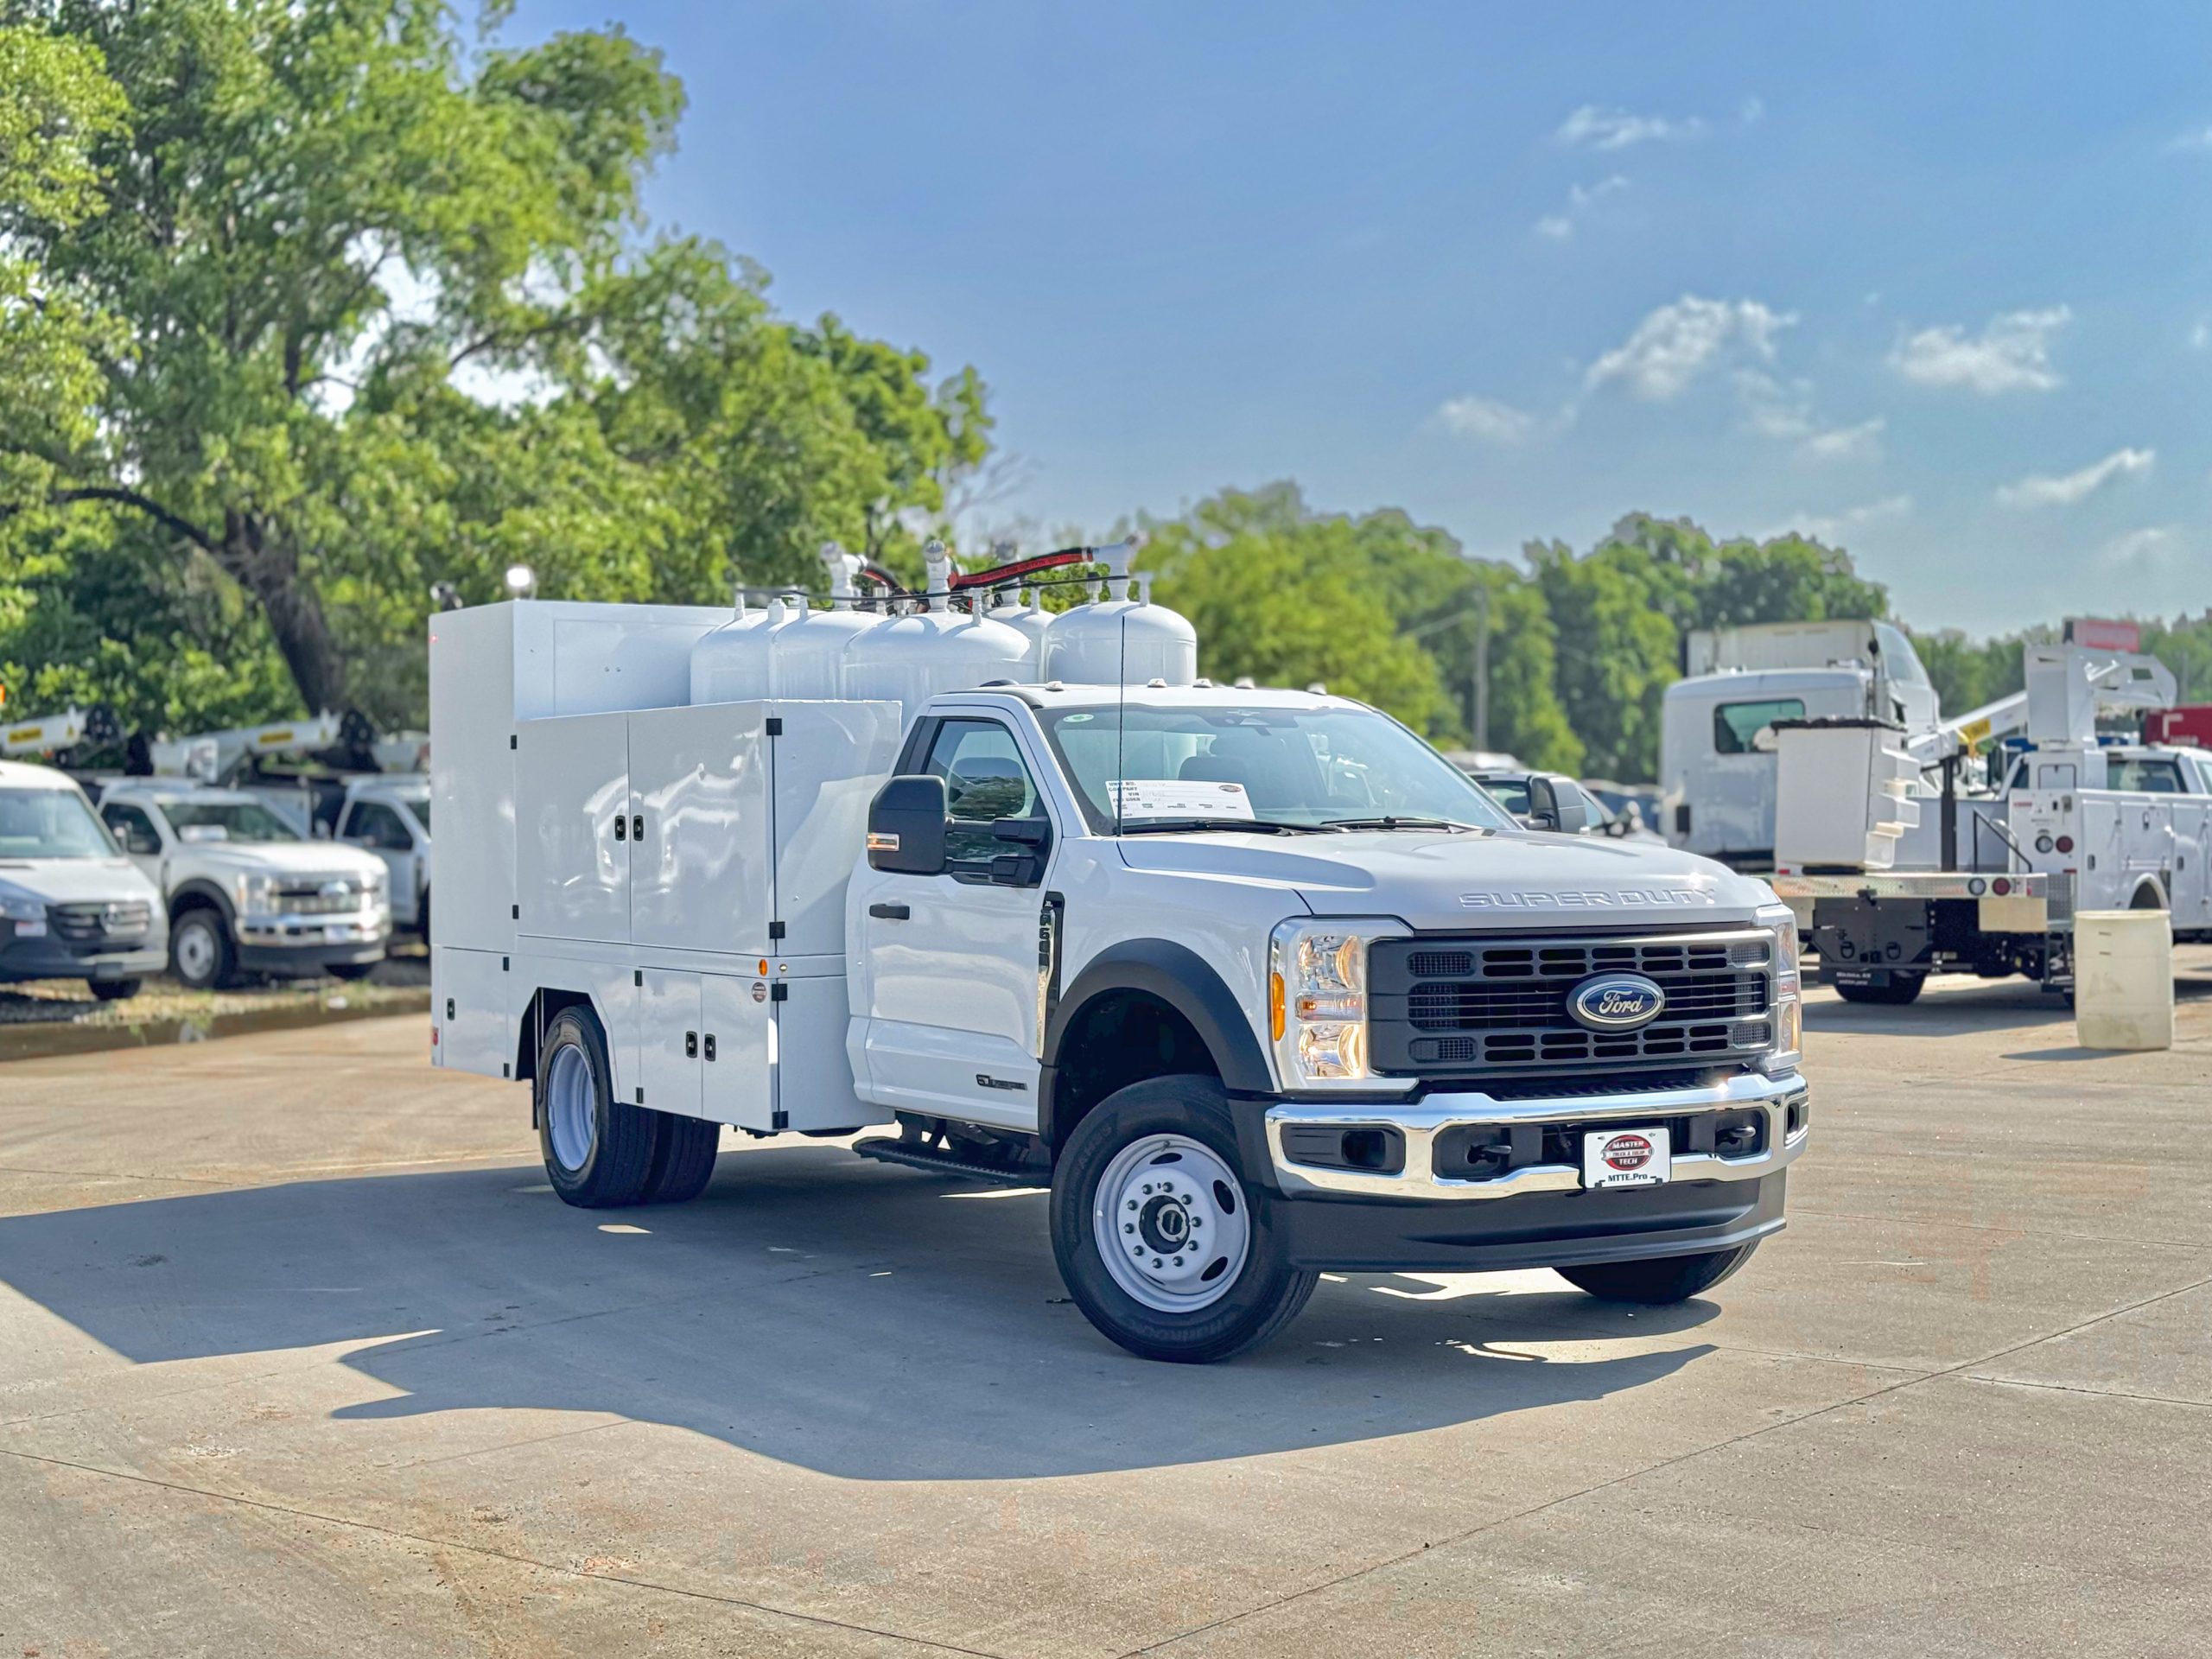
(288, 928)
(1421, 1123)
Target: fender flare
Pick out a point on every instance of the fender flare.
(200, 887)
(2153, 884)
(1187, 983)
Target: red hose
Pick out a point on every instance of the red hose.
(1000, 574)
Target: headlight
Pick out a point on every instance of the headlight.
(1789, 989)
(1316, 999)
(373, 882)
(255, 894)
(22, 907)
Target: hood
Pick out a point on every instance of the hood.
(1443, 880)
(76, 880)
(281, 857)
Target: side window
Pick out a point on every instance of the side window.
(374, 824)
(132, 827)
(2148, 777)
(985, 779)
(1735, 724)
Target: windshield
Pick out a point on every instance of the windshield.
(205, 820)
(50, 823)
(1309, 767)
(420, 806)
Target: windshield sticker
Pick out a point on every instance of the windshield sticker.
(1177, 798)
(202, 832)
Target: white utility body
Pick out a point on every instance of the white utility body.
(1254, 980)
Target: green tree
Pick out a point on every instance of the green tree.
(1375, 606)
(353, 308)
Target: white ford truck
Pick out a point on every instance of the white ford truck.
(1255, 981)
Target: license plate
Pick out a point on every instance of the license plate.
(337, 932)
(1625, 1157)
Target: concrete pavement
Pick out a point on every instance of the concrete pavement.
(298, 1354)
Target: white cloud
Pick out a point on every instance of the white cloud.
(1829, 527)
(1591, 128)
(1486, 419)
(1847, 443)
(1580, 199)
(1677, 343)
(2151, 548)
(2197, 138)
(1754, 112)
(2064, 490)
(2011, 354)
(2200, 336)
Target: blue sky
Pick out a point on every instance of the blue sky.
(1935, 281)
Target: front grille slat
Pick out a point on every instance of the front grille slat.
(83, 922)
(1441, 1006)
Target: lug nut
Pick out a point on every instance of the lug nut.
(1128, 1226)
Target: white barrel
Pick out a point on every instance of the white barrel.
(806, 650)
(1032, 621)
(2124, 979)
(1120, 641)
(909, 660)
(730, 663)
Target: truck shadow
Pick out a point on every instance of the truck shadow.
(872, 1324)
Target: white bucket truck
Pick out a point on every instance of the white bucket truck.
(1254, 980)
(1898, 870)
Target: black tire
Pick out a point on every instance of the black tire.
(352, 970)
(1659, 1280)
(684, 1159)
(115, 991)
(1901, 990)
(423, 916)
(611, 1169)
(1266, 1294)
(201, 955)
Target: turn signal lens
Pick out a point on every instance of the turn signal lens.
(1274, 1006)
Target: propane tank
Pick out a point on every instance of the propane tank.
(806, 652)
(908, 659)
(1119, 640)
(1030, 620)
(730, 663)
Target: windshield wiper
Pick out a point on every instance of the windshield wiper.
(1402, 823)
(1254, 826)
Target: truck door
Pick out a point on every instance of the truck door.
(951, 975)
(379, 829)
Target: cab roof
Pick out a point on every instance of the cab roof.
(1053, 696)
(23, 774)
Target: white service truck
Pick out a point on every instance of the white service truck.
(1896, 872)
(1255, 981)
(1716, 753)
(247, 893)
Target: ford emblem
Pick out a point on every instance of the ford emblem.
(1616, 1003)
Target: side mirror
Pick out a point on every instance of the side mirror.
(1566, 814)
(906, 827)
(1022, 869)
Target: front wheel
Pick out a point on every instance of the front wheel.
(1163, 1242)
(201, 953)
(350, 970)
(1659, 1280)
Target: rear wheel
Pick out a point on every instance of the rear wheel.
(684, 1159)
(1901, 990)
(598, 1151)
(200, 952)
(1162, 1240)
(115, 991)
(1662, 1280)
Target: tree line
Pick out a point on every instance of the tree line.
(309, 306)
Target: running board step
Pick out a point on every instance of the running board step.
(890, 1149)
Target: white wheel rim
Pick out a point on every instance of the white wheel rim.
(569, 1116)
(1172, 1223)
(195, 951)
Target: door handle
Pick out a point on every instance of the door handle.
(638, 826)
(621, 828)
(691, 1045)
(890, 912)
(710, 1045)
